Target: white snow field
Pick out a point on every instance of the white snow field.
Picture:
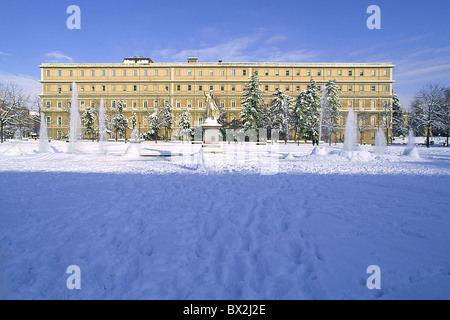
(256, 222)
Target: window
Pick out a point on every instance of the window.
(361, 104)
(200, 88)
(233, 88)
(200, 104)
(82, 73)
(373, 104)
(114, 73)
(373, 121)
(189, 72)
(211, 72)
(47, 104)
(189, 103)
(361, 88)
(222, 104)
(134, 72)
(156, 72)
(166, 72)
(308, 72)
(92, 88)
(233, 104)
(385, 72)
(124, 87)
(59, 89)
(145, 72)
(113, 104)
(287, 72)
(145, 104)
(340, 73)
(222, 72)
(361, 73)
(82, 88)
(70, 73)
(134, 104)
(47, 73)
(124, 72)
(59, 104)
(373, 73)
(103, 73)
(298, 88)
(277, 72)
(178, 104)
(386, 88)
(82, 104)
(288, 88)
(70, 88)
(350, 73)
(155, 104)
(49, 120)
(124, 104)
(298, 72)
(59, 73)
(178, 87)
(350, 88)
(328, 72)
(222, 88)
(178, 72)
(59, 121)
(350, 104)
(189, 87)
(200, 72)
(319, 72)
(233, 72)
(267, 72)
(92, 73)
(134, 87)
(374, 88)
(166, 88)
(266, 87)
(211, 88)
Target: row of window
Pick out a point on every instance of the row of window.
(221, 72)
(178, 87)
(374, 104)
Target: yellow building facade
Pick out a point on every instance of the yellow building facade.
(144, 86)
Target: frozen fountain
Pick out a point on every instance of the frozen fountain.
(43, 136)
(134, 149)
(380, 142)
(75, 120)
(350, 139)
(16, 149)
(102, 126)
(411, 149)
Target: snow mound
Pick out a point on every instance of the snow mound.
(362, 155)
(290, 157)
(15, 151)
(133, 151)
(412, 152)
(319, 151)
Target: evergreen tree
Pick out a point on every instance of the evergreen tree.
(252, 99)
(280, 112)
(307, 112)
(332, 112)
(89, 123)
(133, 120)
(398, 118)
(167, 119)
(155, 124)
(119, 122)
(185, 124)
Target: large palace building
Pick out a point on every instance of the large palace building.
(144, 85)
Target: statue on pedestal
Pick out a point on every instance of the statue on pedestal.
(212, 111)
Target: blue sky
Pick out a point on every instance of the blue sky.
(414, 35)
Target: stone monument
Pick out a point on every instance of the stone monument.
(211, 128)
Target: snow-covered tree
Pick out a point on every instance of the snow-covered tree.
(185, 124)
(12, 107)
(445, 115)
(331, 113)
(252, 99)
(427, 111)
(133, 120)
(167, 119)
(398, 118)
(119, 123)
(89, 123)
(280, 112)
(306, 112)
(155, 122)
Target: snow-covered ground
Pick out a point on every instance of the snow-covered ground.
(256, 222)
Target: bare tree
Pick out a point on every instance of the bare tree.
(12, 107)
(428, 113)
(363, 124)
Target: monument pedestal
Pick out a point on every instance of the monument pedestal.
(211, 136)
